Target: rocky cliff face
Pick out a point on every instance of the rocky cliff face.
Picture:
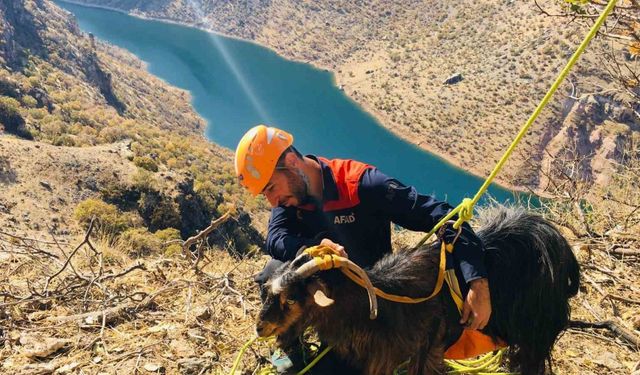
(102, 80)
(596, 134)
(19, 33)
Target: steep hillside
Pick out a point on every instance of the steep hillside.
(101, 127)
(86, 132)
(42, 183)
(392, 57)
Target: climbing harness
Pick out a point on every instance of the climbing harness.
(491, 361)
(471, 343)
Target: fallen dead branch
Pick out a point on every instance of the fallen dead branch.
(205, 232)
(611, 325)
(201, 237)
(30, 245)
(623, 299)
(110, 311)
(85, 241)
(625, 252)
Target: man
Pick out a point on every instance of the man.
(349, 206)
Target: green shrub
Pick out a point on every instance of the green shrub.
(9, 105)
(210, 193)
(158, 211)
(112, 134)
(144, 181)
(170, 234)
(29, 101)
(241, 241)
(109, 219)
(145, 162)
(123, 196)
(64, 140)
(139, 241)
(38, 113)
(10, 114)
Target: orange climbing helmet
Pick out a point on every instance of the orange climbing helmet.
(257, 155)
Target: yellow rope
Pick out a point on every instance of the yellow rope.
(328, 258)
(244, 348)
(465, 209)
(489, 362)
(315, 360)
(269, 370)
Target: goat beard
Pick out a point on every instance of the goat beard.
(291, 337)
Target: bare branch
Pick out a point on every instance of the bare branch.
(611, 325)
(66, 263)
(204, 233)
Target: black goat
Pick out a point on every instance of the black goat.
(532, 275)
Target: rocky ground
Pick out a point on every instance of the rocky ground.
(41, 183)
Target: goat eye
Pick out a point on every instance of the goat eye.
(290, 302)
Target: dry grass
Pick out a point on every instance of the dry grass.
(106, 312)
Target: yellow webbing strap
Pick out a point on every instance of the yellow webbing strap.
(465, 209)
(454, 289)
(326, 258)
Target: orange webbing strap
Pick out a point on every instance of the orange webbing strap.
(327, 258)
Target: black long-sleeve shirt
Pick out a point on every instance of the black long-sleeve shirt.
(359, 203)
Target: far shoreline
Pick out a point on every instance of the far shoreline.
(366, 108)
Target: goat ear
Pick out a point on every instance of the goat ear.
(319, 293)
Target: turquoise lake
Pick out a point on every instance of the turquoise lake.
(236, 85)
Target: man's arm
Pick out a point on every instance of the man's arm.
(283, 235)
(418, 212)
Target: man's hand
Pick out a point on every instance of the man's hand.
(334, 246)
(477, 307)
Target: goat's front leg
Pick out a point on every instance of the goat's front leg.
(429, 358)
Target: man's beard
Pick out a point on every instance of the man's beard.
(299, 187)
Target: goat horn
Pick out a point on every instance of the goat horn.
(360, 273)
(317, 263)
(308, 268)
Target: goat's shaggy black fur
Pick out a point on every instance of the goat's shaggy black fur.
(532, 274)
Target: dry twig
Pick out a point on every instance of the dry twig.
(611, 325)
(201, 238)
